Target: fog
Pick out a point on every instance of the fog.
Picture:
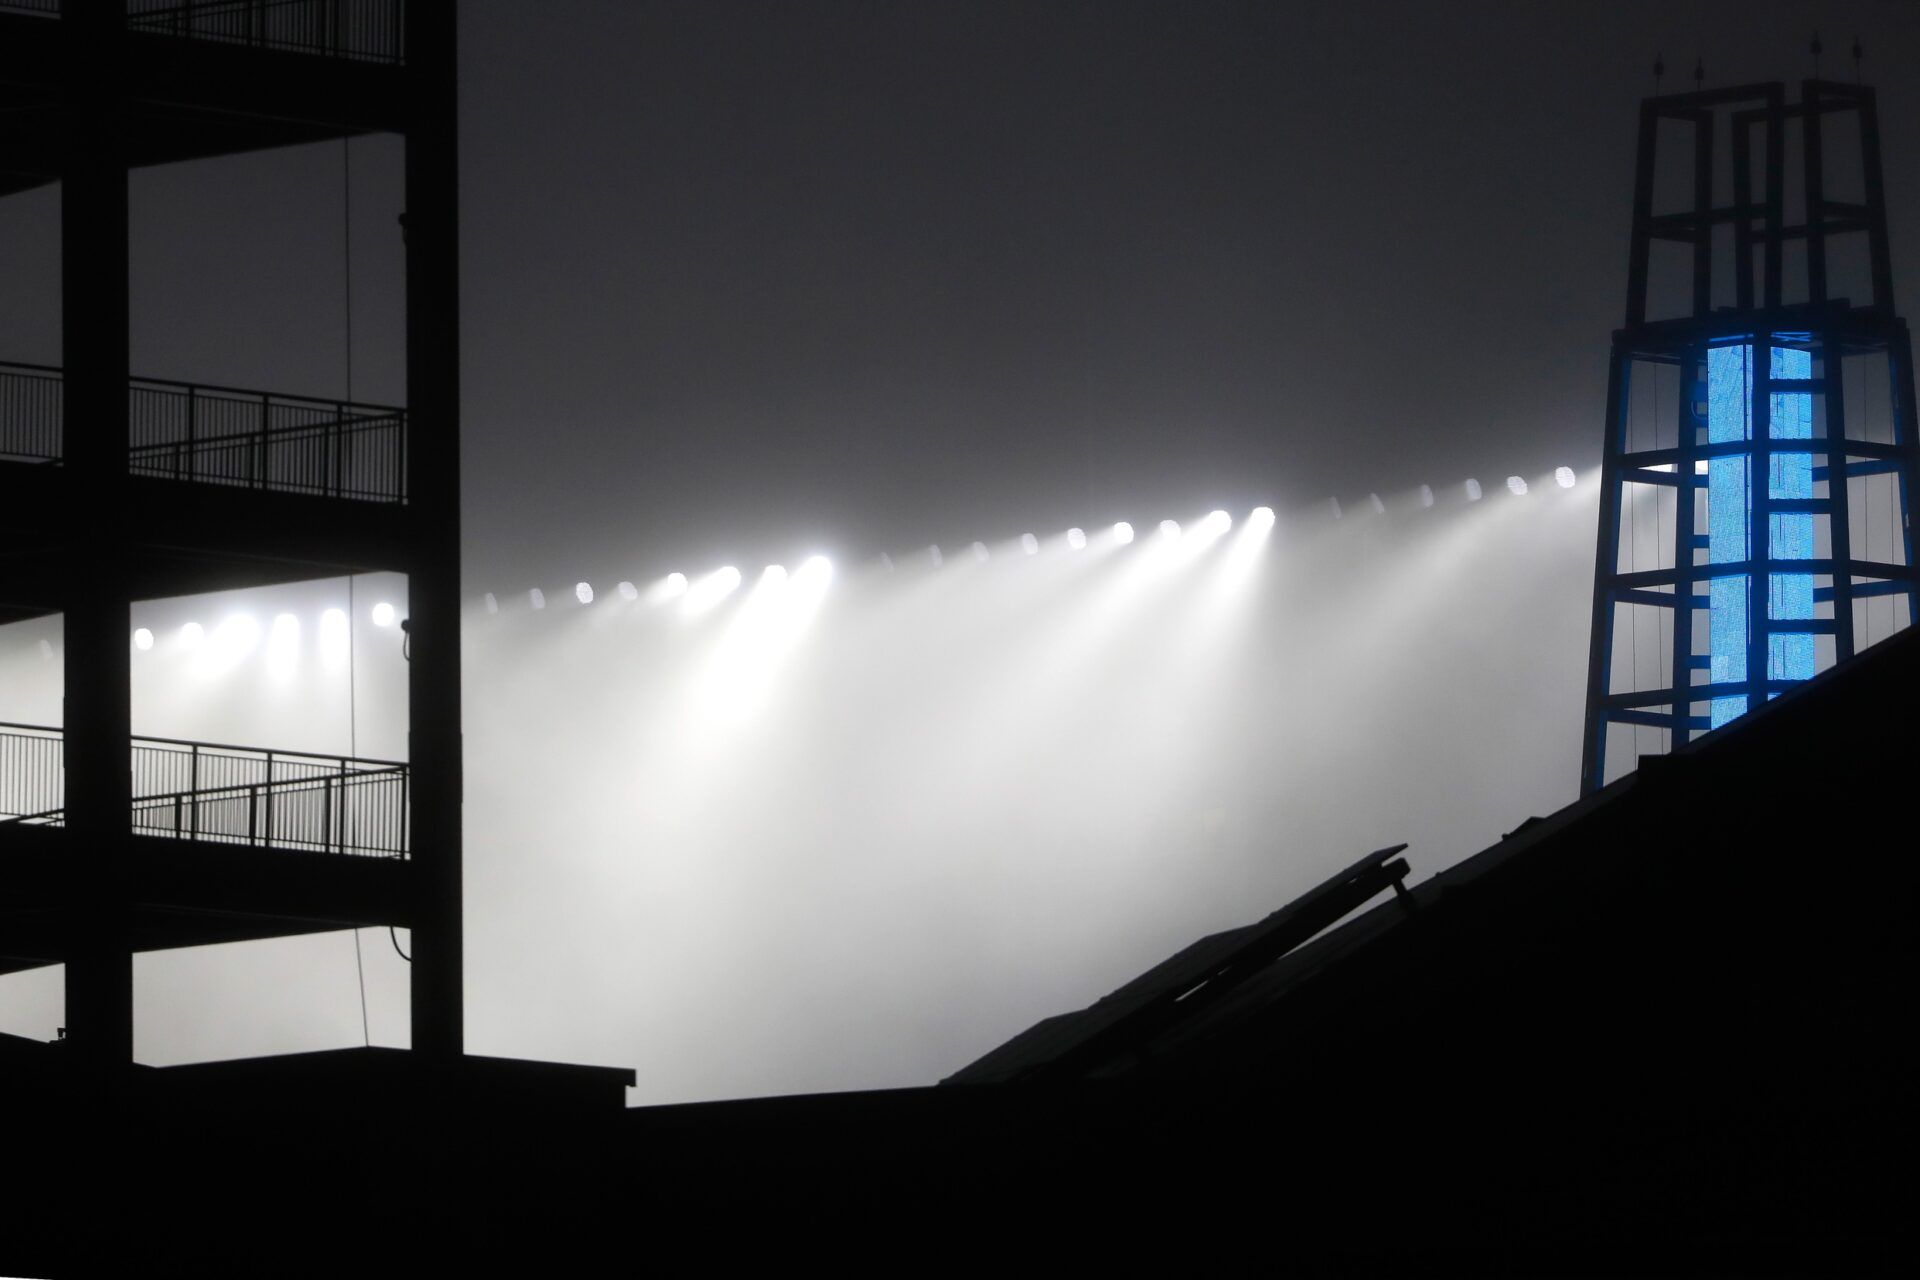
(851, 824)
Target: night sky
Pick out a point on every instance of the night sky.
(746, 280)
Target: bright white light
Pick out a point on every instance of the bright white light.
(933, 553)
(1170, 530)
(1379, 507)
(1516, 486)
(283, 645)
(536, 597)
(1123, 533)
(774, 573)
(383, 612)
(1077, 538)
(711, 590)
(1563, 476)
(1030, 544)
(142, 639)
(1218, 522)
(46, 651)
(1426, 495)
(336, 637)
(980, 552)
(628, 591)
(816, 568)
(1261, 519)
(1700, 468)
(233, 639)
(1473, 491)
(671, 587)
(192, 634)
(583, 592)
(1338, 512)
(493, 606)
(886, 562)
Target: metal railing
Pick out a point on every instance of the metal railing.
(364, 30)
(43, 8)
(224, 794)
(223, 435)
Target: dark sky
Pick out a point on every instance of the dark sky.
(749, 280)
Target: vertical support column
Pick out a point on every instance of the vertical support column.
(1759, 516)
(433, 488)
(1874, 189)
(1593, 752)
(1640, 252)
(1813, 115)
(1776, 192)
(1686, 447)
(1702, 213)
(1839, 513)
(97, 718)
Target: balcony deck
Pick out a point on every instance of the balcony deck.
(228, 488)
(212, 78)
(223, 844)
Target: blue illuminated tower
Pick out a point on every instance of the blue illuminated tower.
(1760, 458)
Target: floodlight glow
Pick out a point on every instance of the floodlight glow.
(46, 651)
(1030, 544)
(1516, 486)
(1170, 530)
(536, 597)
(233, 639)
(1379, 507)
(933, 553)
(383, 614)
(1260, 520)
(336, 637)
(816, 567)
(1337, 512)
(886, 562)
(1123, 533)
(774, 573)
(1217, 523)
(1426, 496)
(1077, 539)
(142, 639)
(980, 552)
(628, 591)
(192, 634)
(283, 645)
(1473, 491)
(493, 605)
(671, 587)
(1564, 477)
(583, 592)
(710, 590)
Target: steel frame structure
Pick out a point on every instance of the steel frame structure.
(1768, 312)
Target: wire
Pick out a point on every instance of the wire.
(393, 936)
(366, 1036)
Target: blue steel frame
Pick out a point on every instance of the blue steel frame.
(1789, 426)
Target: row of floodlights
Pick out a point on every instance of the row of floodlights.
(241, 631)
(722, 582)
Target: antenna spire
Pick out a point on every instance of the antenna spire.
(1659, 70)
(1816, 55)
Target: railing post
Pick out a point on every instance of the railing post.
(269, 825)
(176, 815)
(253, 814)
(260, 473)
(193, 409)
(339, 423)
(193, 787)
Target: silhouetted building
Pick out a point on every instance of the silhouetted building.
(1760, 393)
(117, 487)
